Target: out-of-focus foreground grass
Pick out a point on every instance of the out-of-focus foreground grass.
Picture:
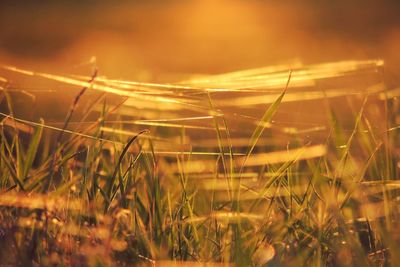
(191, 172)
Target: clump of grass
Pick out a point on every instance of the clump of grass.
(162, 196)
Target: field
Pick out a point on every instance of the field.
(291, 165)
(199, 133)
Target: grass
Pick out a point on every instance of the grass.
(184, 174)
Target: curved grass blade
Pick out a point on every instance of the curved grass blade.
(266, 120)
(113, 177)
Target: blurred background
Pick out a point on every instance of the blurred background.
(166, 40)
(172, 41)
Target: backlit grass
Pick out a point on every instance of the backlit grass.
(278, 166)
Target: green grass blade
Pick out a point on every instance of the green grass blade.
(32, 150)
(117, 166)
(264, 122)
